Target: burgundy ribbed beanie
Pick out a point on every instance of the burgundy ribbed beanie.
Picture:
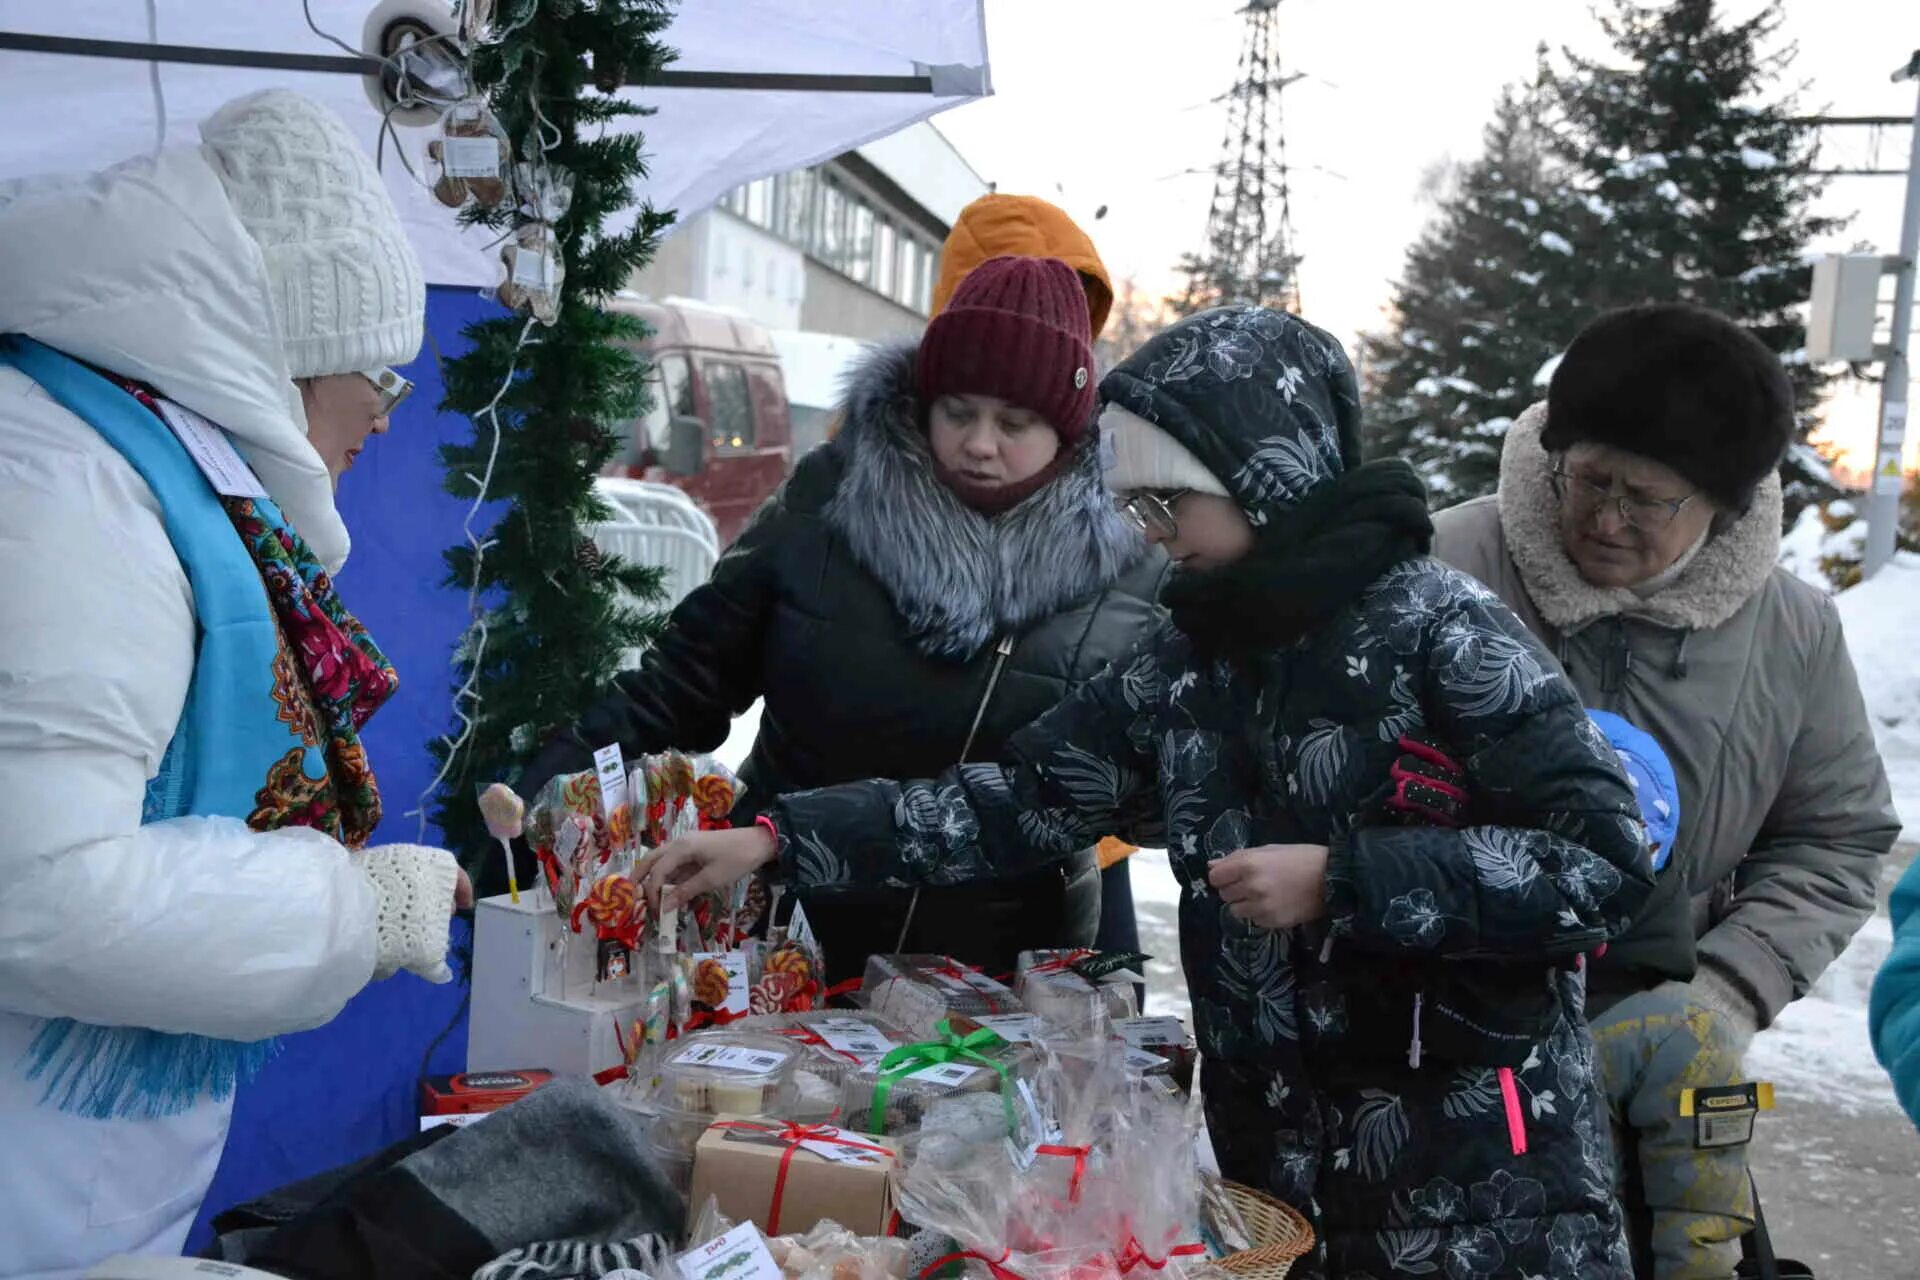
(1016, 328)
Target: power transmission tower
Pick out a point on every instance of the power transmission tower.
(1249, 256)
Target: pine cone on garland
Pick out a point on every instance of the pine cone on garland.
(589, 556)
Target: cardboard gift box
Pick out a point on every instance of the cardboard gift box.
(786, 1178)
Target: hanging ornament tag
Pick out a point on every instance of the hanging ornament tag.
(532, 269)
(471, 157)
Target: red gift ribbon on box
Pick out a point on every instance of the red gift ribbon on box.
(1062, 963)
(959, 973)
(793, 1135)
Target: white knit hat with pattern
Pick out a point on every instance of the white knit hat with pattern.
(1140, 456)
(346, 286)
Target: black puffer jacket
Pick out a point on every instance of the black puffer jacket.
(870, 609)
(1354, 1067)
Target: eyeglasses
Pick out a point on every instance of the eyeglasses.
(1649, 515)
(393, 388)
(1152, 511)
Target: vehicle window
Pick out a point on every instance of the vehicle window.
(670, 395)
(731, 427)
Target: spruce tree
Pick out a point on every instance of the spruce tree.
(554, 615)
(1703, 181)
(1491, 291)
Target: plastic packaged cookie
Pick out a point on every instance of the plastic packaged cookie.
(894, 1095)
(471, 157)
(918, 992)
(837, 1042)
(1078, 989)
(1161, 1037)
(731, 1072)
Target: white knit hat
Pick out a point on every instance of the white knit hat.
(346, 287)
(1140, 455)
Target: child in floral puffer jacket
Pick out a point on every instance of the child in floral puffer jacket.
(1391, 1023)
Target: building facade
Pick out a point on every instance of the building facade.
(829, 258)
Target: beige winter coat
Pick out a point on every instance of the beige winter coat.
(1741, 671)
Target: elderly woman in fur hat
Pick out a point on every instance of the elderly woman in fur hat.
(1637, 531)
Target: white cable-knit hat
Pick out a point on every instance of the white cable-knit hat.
(346, 286)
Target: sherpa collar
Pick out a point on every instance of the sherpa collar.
(1725, 574)
(960, 578)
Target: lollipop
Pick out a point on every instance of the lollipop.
(505, 815)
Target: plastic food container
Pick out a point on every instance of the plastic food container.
(1161, 1037)
(730, 1072)
(917, 993)
(910, 1091)
(1051, 985)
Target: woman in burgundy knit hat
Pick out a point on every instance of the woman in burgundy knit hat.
(947, 568)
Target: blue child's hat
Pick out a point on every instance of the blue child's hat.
(1651, 774)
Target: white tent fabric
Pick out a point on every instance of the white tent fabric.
(69, 114)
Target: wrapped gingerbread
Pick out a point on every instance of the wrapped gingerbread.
(1079, 990)
(919, 992)
(894, 1094)
(471, 156)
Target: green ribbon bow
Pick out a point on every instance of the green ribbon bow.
(910, 1058)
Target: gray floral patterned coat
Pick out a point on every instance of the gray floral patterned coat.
(1414, 1071)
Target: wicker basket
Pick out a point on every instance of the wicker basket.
(1281, 1236)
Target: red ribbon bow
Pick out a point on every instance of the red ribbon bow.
(1062, 963)
(959, 974)
(793, 1135)
(1079, 1155)
(1134, 1254)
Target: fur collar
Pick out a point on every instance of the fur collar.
(1723, 576)
(960, 578)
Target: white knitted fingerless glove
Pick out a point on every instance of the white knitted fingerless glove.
(414, 885)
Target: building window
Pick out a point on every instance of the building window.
(860, 240)
(795, 191)
(886, 258)
(731, 424)
(831, 244)
(759, 203)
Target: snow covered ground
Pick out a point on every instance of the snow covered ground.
(1882, 620)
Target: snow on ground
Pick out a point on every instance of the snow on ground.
(1819, 1047)
(1882, 620)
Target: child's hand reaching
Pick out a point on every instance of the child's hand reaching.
(1275, 886)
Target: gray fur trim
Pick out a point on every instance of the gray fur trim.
(1720, 579)
(960, 578)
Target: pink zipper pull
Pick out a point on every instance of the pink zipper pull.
(1516, 1120)
(1413, 1049)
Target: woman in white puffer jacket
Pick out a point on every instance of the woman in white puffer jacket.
(167, 907)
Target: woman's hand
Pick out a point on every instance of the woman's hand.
(1274, 886)
(681, 870)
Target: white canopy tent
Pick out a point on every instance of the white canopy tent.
(884, 64)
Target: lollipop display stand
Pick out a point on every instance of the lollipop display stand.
(535, 1001)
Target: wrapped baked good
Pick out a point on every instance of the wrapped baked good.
(917, 993)
(893, 1095)
(726, 1071)
(470, 158)
(1163, 1037)
(1077, 990)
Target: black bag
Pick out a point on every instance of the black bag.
(1756, 1252)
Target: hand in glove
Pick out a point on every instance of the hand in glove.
(1424, 788)
(418, 890)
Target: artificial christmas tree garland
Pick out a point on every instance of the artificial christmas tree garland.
(546, 388)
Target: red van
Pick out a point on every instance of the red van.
(719, 427)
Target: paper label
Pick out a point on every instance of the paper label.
(850, 1035)
(738, 988)
(951, 1074)
(800, 929)
(459, 1120)
(1148, 1033)
(613, 779)
(841, 1152)
(1141, 1063)
(1014, 1028)
(741, 1254)
(947, 982)
(470, 157)
(212, 452)
(730, 1057)
(532, 269)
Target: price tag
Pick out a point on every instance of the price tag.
(951, 1074)
(1014, 1028)
(212, 452)
(730, 1057)
(850, 1035)
(459, 1120)
(470, 157)
(741, 1254)
(1141, 1063)
(532, 269)
(612, 771)
(841, 1153)
(1148, 1033)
